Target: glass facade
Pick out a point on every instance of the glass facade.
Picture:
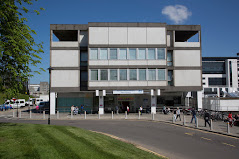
(132, 54)
(213, 67)
(217, 81)
(103, 54)
(132, 74)
(142, 54)
(94, 74)
(113, 54)
(161, 74)
(169, 58)
(151, 74)
(93, 54)
(142, 74)
(123, 74)
(123, 54)
(151, 54)
(103, 75)
(113, 74)
(161, 53)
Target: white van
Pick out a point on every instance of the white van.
(29, 102)
(37, 101)
(18, 103)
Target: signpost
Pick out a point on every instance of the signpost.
(14, 99)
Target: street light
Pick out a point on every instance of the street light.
(49, 115)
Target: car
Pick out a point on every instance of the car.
(5, 107)
(43, 105)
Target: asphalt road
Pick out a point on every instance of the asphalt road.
(170, 140)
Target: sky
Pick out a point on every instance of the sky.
(219, 20)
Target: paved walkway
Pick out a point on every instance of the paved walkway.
(217, 126)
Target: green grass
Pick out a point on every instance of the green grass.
(44, 141)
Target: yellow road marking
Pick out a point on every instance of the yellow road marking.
(206, 138)
(126, 141)
(228, 144)
(189, 134)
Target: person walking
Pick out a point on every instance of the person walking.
(127, 109)
(174, 114)
(194, 116)
(140, 110)
(230, 119)
(207, 118)
(72, 109)
(178, 114)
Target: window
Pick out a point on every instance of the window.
(151, 54)
(161, 75)
(123, 54)
(94, 74)
(217, 81)
(132, 74)
(161, 53)
(170, 58)
(151, 74)
(103, 54)
(142, 54)
(113, 54)
(123, 74)
(103, 75)
(93, 54)
(142, 74)
(114, 75)
(132, 54)
(170, 78)
(83, 56)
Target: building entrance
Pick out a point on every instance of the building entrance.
(124, 106)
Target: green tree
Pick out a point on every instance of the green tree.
(19, 51)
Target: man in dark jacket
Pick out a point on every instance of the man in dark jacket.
(207, 118)
(194, 116)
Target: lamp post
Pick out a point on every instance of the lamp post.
(49, 115)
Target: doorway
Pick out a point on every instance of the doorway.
(124, 105)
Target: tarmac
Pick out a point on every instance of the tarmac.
(219, 127)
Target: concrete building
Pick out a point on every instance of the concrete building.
(37, 90)
(104, 65)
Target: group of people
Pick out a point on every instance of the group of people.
(75, 110)
(232, 119)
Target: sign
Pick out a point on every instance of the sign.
(125, 98)
(128, 92)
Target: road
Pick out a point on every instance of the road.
(167, 139)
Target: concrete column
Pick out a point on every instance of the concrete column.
(57, 115)
(53, 103)
(153, 104)
(101, 104)
(199, 100)
(30, 114)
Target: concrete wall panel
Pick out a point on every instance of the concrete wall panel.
(187, 58)
(65, 78)
(118, 35)
(98, 35)
(65, 58)
(156, 35)
(137, 35)
(187, 77)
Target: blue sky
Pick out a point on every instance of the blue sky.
(218, 19)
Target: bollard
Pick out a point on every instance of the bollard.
(125, 114)
(117, 112)
(44, 114)
(173, 118)
(228, 128)
(71, 114)
(211, 124)
(184, 120)
(139, 114)
(13, 113)
(58, 114)
(196, 122)
(152, 116)
(99, 114)
(20, 114)
(30, 114)
(112, 115)
(85, 114)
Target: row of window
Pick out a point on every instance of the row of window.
(127, 53)
(128, 74)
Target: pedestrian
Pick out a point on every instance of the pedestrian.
(168, 110)
(72, 109)
(164, 109)
(76, 110)
(194, 116)
(174, 114)
(140, 110)
(147, 109)
(116, 109)
(178, 113)
(207, 117)
(127, 109)
(81, 108)
(230, 119)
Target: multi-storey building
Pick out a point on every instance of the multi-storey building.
(220, 74)
(104, 65)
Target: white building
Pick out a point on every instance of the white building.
(104, 65)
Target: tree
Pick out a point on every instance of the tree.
(18, 49)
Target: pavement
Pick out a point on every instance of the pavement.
(160, 135)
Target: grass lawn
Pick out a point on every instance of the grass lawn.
(44, 141)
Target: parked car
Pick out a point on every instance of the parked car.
(43, 105)
(18, 103)
(29, 102)
(5, 107)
